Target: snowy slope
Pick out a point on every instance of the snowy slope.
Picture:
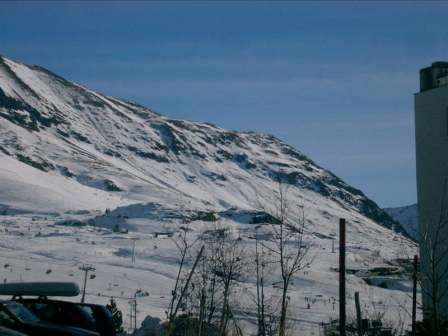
(24, 187)
(70, 132)
(70, 153)
(407, 216)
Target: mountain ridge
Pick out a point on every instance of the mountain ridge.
(407, 216)
(122, 148)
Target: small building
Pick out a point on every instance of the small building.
(165, 234)
(431, 138)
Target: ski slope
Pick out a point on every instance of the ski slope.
(68, 153)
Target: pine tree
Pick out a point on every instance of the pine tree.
(117, 316)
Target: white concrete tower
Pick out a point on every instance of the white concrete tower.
(431, 135)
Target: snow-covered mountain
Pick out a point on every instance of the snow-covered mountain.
(70, 156)
(407, 216)
(65, 147)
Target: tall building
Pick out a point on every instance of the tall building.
(431, 135)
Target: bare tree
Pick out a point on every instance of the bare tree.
(209, 297)
(260, 271)
(228, 267)
(184, 244)
(266, 303)
(434, 267)
(205, 287)
(287, 245)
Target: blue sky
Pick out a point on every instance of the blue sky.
(334, 79)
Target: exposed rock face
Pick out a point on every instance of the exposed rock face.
(107, 144)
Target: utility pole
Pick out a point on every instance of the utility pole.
(358, 314)
(135, 311)
(134, 239)
(414, 295)
(131, 315)
(86, 268)
(135, 314)
(342, 312)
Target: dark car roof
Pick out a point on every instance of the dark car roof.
(39, 289)
(45, 299)
(9, 332)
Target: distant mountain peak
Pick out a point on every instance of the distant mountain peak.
(407, 216)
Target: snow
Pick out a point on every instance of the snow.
(32, 190)
(54, 171)
(407, 216)
(33, 242)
